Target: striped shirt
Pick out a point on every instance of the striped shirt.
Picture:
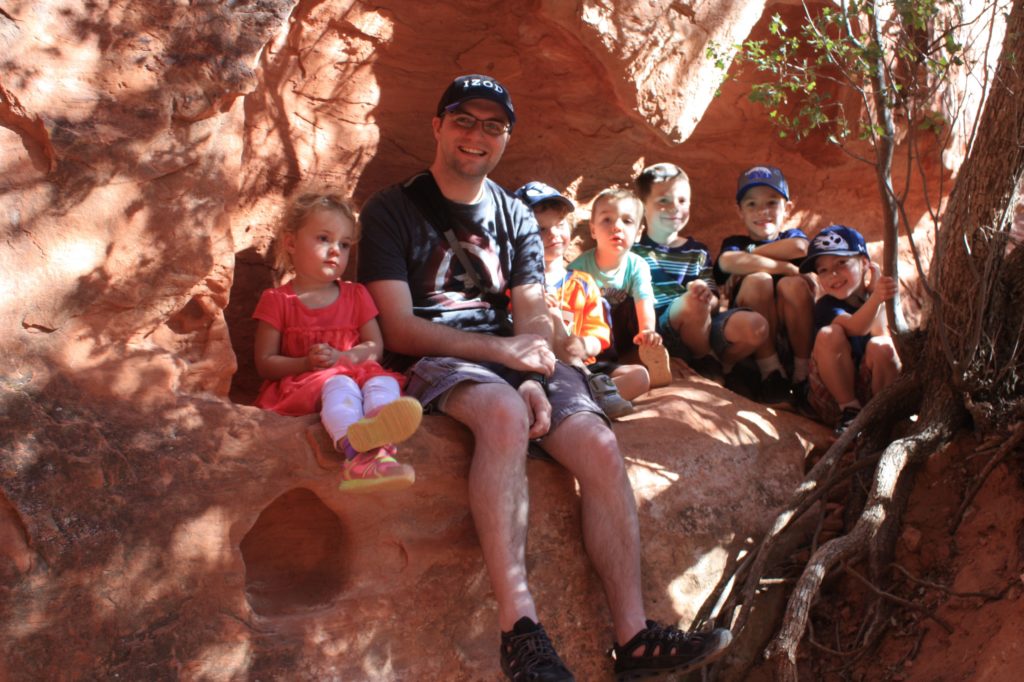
(673, 267)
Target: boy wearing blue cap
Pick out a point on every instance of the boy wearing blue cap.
(577, 309)
(686, 298)
(854, 357)
(761, 268)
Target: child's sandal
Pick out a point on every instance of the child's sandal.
(395, 422)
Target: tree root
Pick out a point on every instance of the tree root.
(894, 461)
(1011, 443)
(899, 600)
(986, 596)
(896, 402)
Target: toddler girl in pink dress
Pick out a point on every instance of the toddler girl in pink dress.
(318, 343)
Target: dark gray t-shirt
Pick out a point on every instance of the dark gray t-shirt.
(499, 235)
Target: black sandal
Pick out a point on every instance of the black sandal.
(666, 648)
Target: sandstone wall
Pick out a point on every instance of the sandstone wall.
(146, 149)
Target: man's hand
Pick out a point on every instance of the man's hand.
(538, 408)
(528, 353)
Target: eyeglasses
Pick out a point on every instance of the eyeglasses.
(490, 126)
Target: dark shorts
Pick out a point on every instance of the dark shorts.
(824, 404)
(431, 379)
(676, 348)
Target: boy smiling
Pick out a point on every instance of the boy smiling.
(761, 269)
(686, 296)
(854, 357)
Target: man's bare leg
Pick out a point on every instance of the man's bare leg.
(498, 494)
(585, 446)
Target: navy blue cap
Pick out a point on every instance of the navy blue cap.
(834, 240)
(476, 86)
(534, 192)
(769, 176)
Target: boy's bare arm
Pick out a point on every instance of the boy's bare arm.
(870, 317)
(743, 263)
(571, 348)
(783, 249)
(772, 258)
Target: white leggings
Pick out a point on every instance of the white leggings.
(344, 404)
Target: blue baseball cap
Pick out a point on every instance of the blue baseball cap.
(769, 176)
(476, 86)
(834, 240)
(532, 193)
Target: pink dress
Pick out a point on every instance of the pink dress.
(337, 324)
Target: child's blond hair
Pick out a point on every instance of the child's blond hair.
(300, 208)
(617, 194)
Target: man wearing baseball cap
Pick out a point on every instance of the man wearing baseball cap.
(438, 253)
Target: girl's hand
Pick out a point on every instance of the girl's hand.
(346, 358)
(648, 337)
(552, 301)
(320, 356)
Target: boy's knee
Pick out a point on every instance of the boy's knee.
(756, 287)
(746, 327)
(880, 349)
(793, 289)
(831, 339)
(757, 283)
(691, 317)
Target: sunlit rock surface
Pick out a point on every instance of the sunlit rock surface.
(205, 540)
(152, 525)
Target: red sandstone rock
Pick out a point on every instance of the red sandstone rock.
(149, 527)
(212, 543)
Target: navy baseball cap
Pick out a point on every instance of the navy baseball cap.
(476, 86)
(769, 176)
(532, 193)
(834, 240)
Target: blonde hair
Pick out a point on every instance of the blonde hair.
(299, 209)
(617, 194)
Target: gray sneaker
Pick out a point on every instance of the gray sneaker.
(607, 396)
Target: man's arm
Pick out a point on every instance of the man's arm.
(530, 311)
(408, 334)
